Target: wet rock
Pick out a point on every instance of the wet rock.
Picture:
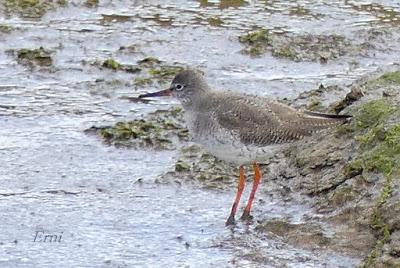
(304, 235)
(352, 173)
(40, 56)
(302, 12)
(355, 94)
(181, 166)
(129, 49)
(111, 64)
(308, 47)
(91, 3)
(256, 42)
(161, 131)
(194, 165)
(215, 21)
(149, 62)
(391, 258)
(156, 71)
(148, 71)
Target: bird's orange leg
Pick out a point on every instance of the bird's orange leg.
(242, 181)
(256, 182)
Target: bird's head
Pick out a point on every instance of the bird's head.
(186, 86)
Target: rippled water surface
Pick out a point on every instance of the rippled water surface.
(106, 201)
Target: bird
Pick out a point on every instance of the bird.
(239, 128)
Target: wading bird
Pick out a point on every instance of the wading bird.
(239, 128)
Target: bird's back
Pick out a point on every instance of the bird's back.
(262, 121)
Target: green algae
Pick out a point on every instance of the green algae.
(111, 64)
(127, 130)
(159, 130)
(215, 21)
(385, 156)
(392, 137)
(285, 52)
(299, 11)
(379, 225)
(5, 28)
(152, 70)
(25, 3)
(376, 130)
(181, 166)
(306, 47)
(353, 168)
(256, 42)
(256, 50)
(141, 81)
(32, 8)
(39, 56)
(157, 71)
(262, 35)
(151, 133)
(381, 159)
(149, 61)
(165, 71)
(379, 152)
(391, 78)
(372, 114)
(379, 143)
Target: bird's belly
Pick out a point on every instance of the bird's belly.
(229, 149)
(230, 153)
(242, 154)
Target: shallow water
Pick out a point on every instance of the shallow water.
(106, 201)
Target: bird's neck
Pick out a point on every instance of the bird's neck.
(199, 101)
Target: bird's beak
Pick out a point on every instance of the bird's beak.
(165, 92)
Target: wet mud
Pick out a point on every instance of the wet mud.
(119, 178)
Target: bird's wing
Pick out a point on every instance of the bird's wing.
(261, 121)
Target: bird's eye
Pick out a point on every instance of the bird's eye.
(179, 87)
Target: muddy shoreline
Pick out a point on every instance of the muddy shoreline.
(81, 155)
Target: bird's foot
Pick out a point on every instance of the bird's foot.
(246, 216)
(230, 221)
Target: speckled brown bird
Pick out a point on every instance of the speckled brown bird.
(240, 128)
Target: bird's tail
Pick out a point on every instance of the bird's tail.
(340, 117)
(313, 122)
